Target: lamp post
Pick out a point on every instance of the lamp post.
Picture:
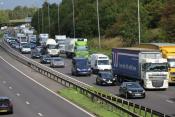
(58, 19)
(73, 17)
(48, 16)
(99, 38)
(138, 6)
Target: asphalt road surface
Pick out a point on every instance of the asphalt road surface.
(31, 99)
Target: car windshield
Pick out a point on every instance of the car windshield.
(82, 63)
(155, 67)
(26, 46)
(132, 85)
(106, 75)
(81, 48)
(52, 46)
(103, 62)
(4, 101)
(171, 63)
(58, 59)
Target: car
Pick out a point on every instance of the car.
(6, 105)
(36, 52)
(105, 78)
(32, 45)
(25, 49)
(80, 66)
(131, 90)
(45, 58)
(57, 62)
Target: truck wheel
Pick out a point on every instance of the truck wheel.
(126, 95)
(119, 79)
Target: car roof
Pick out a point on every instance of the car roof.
(4, 97)
(130, 83)
(102, 72)
(57, 58)
(79, 58)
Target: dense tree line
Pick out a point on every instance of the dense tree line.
(18, 12)
(117, 18)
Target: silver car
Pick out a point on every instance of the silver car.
(57, 62)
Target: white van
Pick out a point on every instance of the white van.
(100, 62)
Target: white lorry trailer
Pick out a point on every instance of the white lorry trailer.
(60, 40)
(143, 65)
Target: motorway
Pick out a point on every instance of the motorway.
(31, 99)
(163, 101)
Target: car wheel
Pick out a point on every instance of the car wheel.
(11, 111)
(126, 95)
(97, 82)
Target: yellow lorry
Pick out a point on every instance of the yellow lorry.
(168, 52)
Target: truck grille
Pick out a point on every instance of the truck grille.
(157, 76)
(157, 83)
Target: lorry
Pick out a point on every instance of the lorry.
(22, 39)
(76, 47)
(100, 62)
(168, 52)
(145, 66)
(60, 40)
(32, 38)
(51, 48)
(43, 38)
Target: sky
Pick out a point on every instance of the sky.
(10, 4)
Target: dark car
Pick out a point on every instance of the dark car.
(6, 105)
(36, 52)
(45, 58)
(80, 66)
(105, 78)
(32, 45)
(131, 90)
(57, 62)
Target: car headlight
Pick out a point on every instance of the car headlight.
(113, 79)
(89, 69)
(129, 91)
(143, 91)
(78, 69)
(104, 79)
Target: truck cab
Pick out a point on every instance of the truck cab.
(154, 73)
(100, 62)
(51, 48)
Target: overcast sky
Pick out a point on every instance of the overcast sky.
(10, 4)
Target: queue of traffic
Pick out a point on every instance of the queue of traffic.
(134, 68)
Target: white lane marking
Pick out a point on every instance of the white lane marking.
(4, 82)
(18, 94)
(10, 87)
(48, 88)
(40, 114)
(27, 102)
(169, 101)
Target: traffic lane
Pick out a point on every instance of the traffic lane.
(157, 100)
(39, 98)
(21, 109)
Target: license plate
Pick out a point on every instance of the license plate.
(109, 82)
(3, 110)
(137, 94)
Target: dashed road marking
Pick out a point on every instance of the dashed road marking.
(169, 101)
(4, 82)
(40, 114)
(18, 94)
(10, 87)
(27, 102)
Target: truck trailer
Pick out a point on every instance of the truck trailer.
(145, 66)
(76, 47)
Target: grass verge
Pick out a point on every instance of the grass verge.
(100, 110)
(94, 107)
